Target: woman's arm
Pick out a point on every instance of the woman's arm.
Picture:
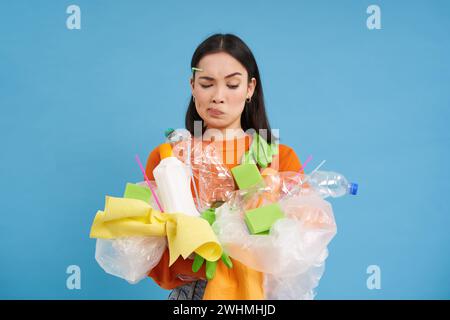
(152, 161)
(287, 159)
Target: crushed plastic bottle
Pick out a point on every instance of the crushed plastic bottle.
(329, 183)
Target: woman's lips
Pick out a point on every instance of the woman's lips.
(214, 112)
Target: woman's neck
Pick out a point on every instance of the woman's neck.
(223, 134)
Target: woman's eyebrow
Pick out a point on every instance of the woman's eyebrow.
(228, 76)
(233, 74)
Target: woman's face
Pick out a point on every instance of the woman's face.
(220, 90)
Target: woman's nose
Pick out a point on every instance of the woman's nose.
(218, 96)
(217, 100)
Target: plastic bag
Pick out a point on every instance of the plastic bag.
(291, 247)
(292, 255)
(130, 258)
(298, 287)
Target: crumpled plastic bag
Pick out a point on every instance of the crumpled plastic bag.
(292, 255)
(298, 287)
(130, 258)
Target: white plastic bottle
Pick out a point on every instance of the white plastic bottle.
(173, 180)
(328, 183)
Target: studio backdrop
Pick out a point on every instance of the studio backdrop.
(87, 85)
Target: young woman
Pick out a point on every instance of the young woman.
(227, 97)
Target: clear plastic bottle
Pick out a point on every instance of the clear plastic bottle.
(329, 183)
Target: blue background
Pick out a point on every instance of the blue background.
(77, 105)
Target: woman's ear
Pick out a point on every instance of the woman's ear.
(251, 87)
(191, 81)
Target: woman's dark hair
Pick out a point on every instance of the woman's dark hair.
(254, 114)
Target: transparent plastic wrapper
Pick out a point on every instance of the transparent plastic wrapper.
(292, 255)
(254, 197)
(294, 242)
(298, 287)
(214, 178)
(293, 184)
(130, 258)
(274, 188)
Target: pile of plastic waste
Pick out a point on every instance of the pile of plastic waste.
(278, 223)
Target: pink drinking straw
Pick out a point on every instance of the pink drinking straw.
(305, 163)
(149, 184)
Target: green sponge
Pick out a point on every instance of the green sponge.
(135, 191)
(261, 219)
(246, 175)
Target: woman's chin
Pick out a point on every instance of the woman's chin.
(217, 123)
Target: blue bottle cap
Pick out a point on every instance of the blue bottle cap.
(353, 188)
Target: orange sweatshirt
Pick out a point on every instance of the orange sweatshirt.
(239, 282)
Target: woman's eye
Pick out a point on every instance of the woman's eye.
(210, 85)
